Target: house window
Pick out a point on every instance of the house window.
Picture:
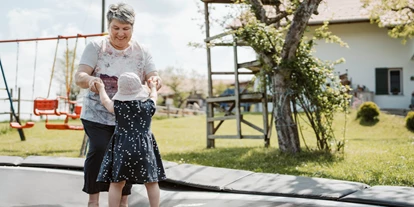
(388, 81)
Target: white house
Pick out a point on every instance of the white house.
(382, 64)
(373, 60)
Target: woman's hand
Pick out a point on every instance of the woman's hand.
(96, 85)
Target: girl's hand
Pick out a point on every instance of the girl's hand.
(92, 85)
(157, 81)
(99, 84)
(151, 84)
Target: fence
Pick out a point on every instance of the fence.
(177, 112)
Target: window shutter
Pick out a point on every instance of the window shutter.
(381, 81)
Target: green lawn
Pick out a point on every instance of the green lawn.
(375, 154)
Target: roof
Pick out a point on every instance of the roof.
(339, 11)
(232, 1)
(336, 11)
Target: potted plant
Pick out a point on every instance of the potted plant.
(395, 91)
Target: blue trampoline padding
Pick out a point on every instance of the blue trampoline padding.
(54, 162)
(383, 195)
(211, 178)
(294, 186)
(10, 160)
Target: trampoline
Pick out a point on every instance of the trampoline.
(42, 187)
(48, 182)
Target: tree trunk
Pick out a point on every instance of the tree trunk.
(286, 128)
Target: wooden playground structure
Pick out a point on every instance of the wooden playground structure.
(240, 96)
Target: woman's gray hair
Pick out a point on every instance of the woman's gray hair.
(121, 12)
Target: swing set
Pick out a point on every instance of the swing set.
(46, 106)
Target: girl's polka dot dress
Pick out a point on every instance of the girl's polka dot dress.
(132, 153)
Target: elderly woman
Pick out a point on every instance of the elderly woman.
(106, 59)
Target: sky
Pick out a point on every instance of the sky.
(164, 26)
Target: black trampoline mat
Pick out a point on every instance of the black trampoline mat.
(44, 187)
(384, 195)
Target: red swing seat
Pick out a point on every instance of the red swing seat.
(43, 106)
(64, 126)
(50, 107)
(16, 125)
(76, 111)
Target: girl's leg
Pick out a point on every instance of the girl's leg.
(125, 193)
(93, 200)
(153, 192)
(115, 193)
(124, 201)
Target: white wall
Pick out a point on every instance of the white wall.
(370, 47)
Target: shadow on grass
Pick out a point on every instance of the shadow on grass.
(256, 159)
(7, 151)
(369, 123)
(49, 153)
(57, 151)
(409, 128)
(5, 130)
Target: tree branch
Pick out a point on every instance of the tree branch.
(299, 23)
(259, 10)
(405, 7)
(280, 16)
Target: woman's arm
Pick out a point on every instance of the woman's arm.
(84, 79)
(89, 59)
(106, 101)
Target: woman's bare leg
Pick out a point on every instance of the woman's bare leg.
(153, 191)
(93, 200)
(115, 193)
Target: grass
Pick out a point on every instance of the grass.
(380, 153)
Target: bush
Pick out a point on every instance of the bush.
(368, 111)
(409, 120)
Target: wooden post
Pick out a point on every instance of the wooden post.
(210, 108)
(237, 89)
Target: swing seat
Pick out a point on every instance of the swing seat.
(46, 107)
(16, 125)
(77, 112)
(63, 126)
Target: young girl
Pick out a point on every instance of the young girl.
(132, 155)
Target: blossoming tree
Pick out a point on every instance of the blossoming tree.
(395, 14)
(276, 33)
